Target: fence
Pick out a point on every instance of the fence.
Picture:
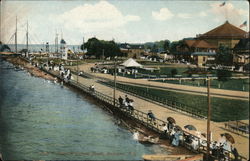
(161, 100)
(237, 126)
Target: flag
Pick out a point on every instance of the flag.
(244, 24)
(223, 4)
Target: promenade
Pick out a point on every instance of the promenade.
(231, 94)
(162, 112)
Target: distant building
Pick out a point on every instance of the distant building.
(205, 46)
(226, 34)
(132, 50)
(241, 52)
(196, 51)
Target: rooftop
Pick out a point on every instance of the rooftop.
(225, 30)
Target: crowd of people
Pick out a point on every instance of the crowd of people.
(126, 103)
(221, 149)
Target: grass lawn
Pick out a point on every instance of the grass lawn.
(232, 84)
(222, 109)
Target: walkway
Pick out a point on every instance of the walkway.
(163, 113)
(168, 86)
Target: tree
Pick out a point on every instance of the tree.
(166, 45)
(99, 47)
(223, 75)
(173, 46)
(224, 56)
(174, 72)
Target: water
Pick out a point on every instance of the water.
(38, 47)
(42, 120)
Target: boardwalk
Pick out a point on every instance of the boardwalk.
(162, 113)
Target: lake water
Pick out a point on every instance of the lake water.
(42, 120)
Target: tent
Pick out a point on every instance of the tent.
(131, 63)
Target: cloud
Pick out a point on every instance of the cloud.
(162, 15)
(92, 18)
(228, 12)
(202, 14)
(184, 15)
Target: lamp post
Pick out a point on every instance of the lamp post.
(208, 118)
(114, 81)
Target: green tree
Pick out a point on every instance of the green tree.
(99, 47)
(224, 56)
(166, 45)
(174, 72)
(224, 75)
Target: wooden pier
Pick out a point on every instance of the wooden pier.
(136, 115)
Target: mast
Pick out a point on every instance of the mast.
(27, 39)
(56, 43)
(16, 36)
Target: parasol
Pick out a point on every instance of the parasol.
(229, 138)
(171, 120)
(178, 127)
(190, 127)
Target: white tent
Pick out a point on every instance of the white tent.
(131, 63)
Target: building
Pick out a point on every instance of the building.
(205, 46)
(241, 52)
(201, 58)
(196, 51)
(226, 34)
(132, 50)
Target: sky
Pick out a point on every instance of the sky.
(131, 21)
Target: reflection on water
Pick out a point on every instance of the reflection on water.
(42, 120)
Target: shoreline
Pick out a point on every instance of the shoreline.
(34, 71)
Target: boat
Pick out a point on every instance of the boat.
(148, 140)
(165, 157)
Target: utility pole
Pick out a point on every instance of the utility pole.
(16, 36)
(114, 82)
(208, 118)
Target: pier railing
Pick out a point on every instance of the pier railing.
(155, 125)
(142, 117)
(159, 100)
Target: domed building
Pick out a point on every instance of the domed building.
(226, 34)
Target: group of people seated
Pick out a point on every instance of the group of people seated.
(220, 149)
(126, 103)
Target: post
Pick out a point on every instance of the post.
(114, 82)
(103, 56)
(208, 118)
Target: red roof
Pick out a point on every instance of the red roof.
(199, 44)
(225, 30)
